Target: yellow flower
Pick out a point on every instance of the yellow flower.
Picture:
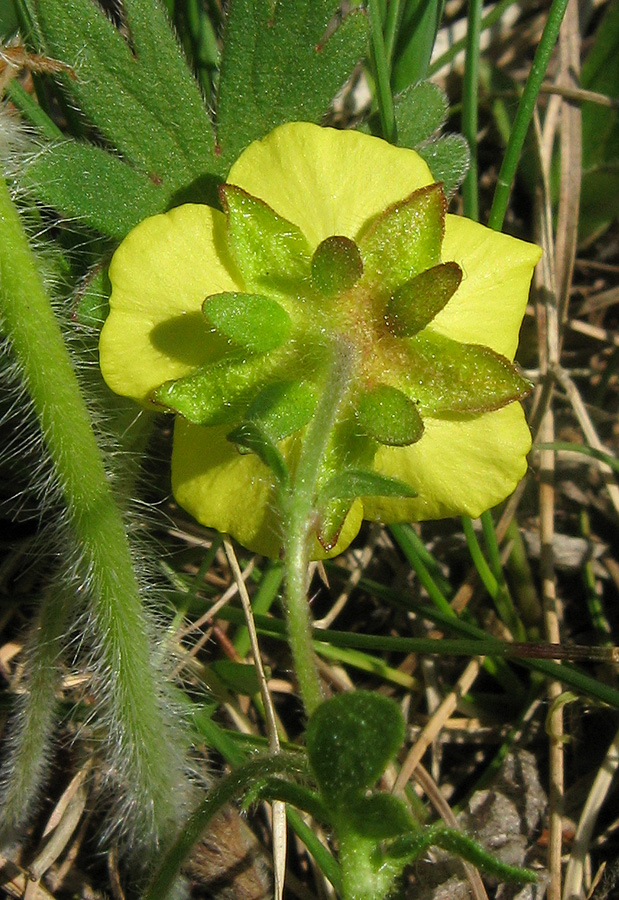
(326, 232)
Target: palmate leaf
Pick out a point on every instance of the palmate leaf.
(137, 91)
(87, 183)
(278, 66)
(140, 95)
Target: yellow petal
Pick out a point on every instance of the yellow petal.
(497, 269)
(327, 182)
(235, 493)
(459, 467)
(161, 274)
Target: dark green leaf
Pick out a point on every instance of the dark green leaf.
(350, 740)
(269, 251)
(389, 416)
(405, 239)
(238, 677)
(253, 321)
(250, 437)
(415, 42)
(417, 302)
(84, 182)
(278, 65)
(139, 93)
(379, 817)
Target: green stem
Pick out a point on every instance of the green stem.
(125, 678)
(300, 524)
(470, 107)
(525, 113)
(32, 724)
(382, 74)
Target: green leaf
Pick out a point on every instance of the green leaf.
(600, 130)
(336, 265)
(283, 408)
(280, 65)
(449, 377)
(415, 42)
(379, 817)
(350, 740)
(237, 677)
(355, 483)
(253, 321)
(420, 111)
(84, 182)
(417, 302)
(219, 393)
(138, 91)
(249, 436)
(405, 239)
(269, 251)
(448, 159)
(389, 416)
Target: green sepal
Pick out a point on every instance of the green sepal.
(269, 251)
(353, 483)
(350, 740)
(251, 438)
(283, 408)
(251, 320)
(404, 239)
(216, 394)
(389, 416)
(450, 377)
(415, 303)
(336, 265)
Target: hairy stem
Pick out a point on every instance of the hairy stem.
(126, 680)
(300, 524)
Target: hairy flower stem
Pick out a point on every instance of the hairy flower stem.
(126, 680)
(300, 523)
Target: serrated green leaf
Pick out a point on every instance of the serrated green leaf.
(355, 483)
(389, 416)
(278, 65)
(269, 251)
(85, 182)
(448, 159)
(140, 95)
(451, 377)
(251, 437)
(417, 302)
(251, 320)
(283, 408)
(350, 740)
(405, 239)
